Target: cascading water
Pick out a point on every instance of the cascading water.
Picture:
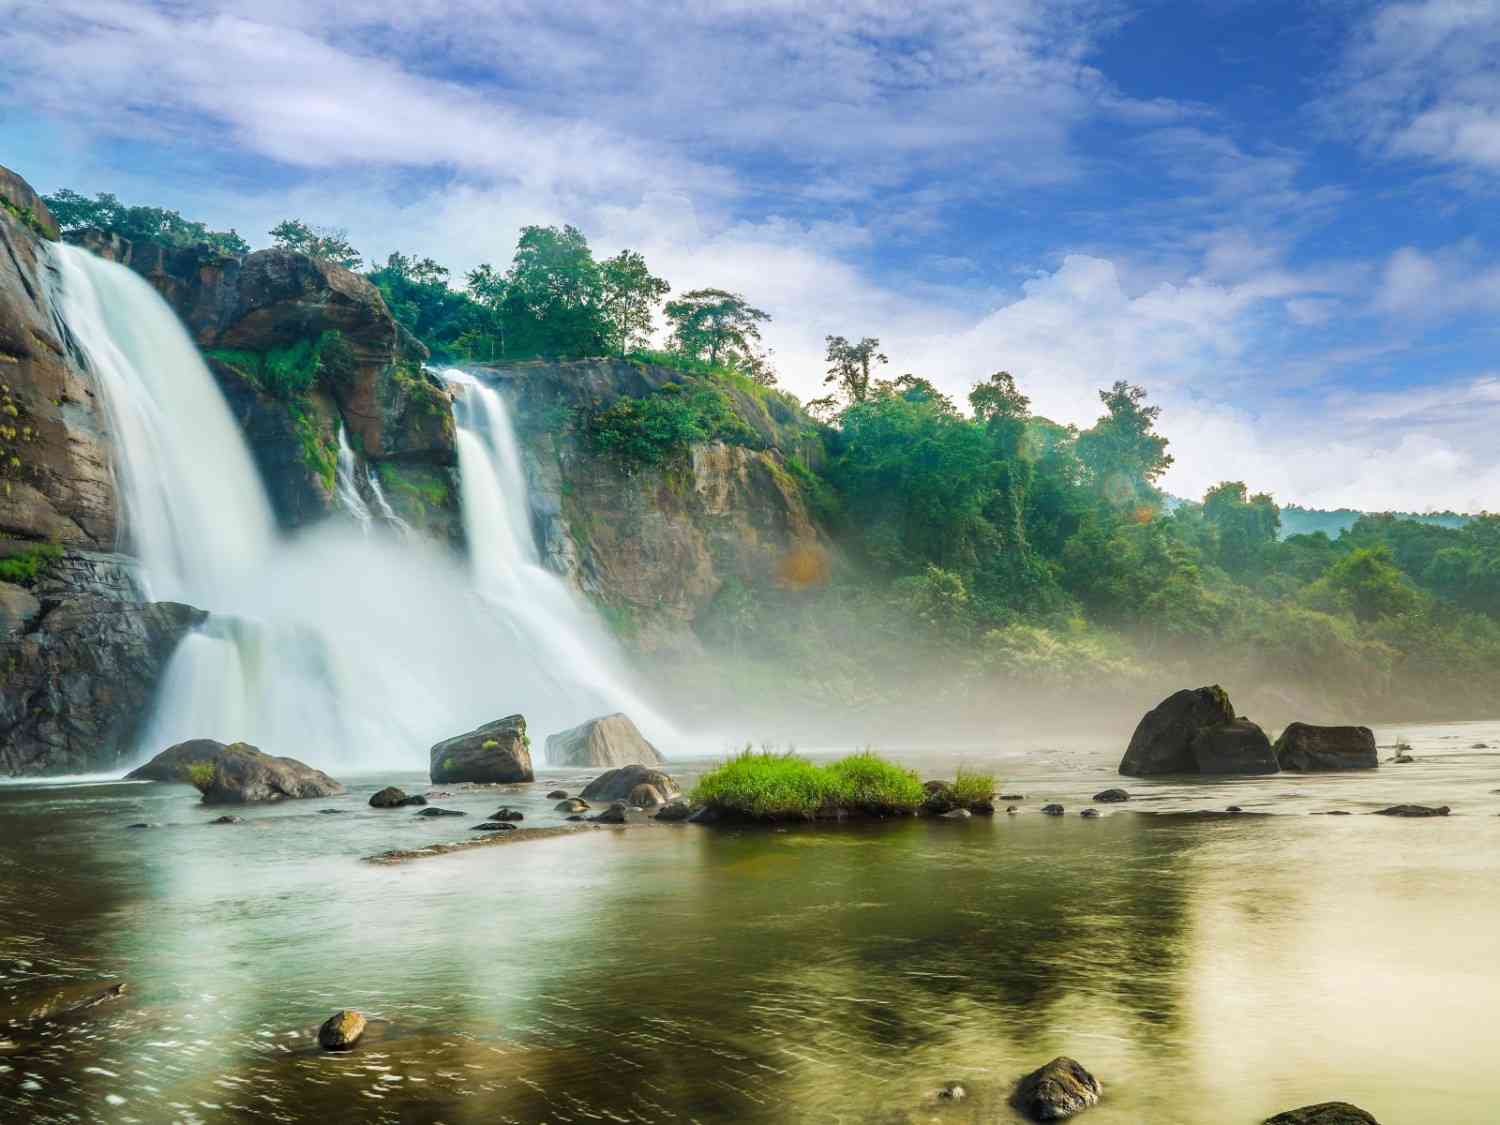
(345, 487)
(330, 646)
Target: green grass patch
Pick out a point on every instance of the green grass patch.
(415, 486)
(770, 786)
(25, 565)
(291, 371)
(971, 786)
(200, 775)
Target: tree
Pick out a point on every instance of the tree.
(553, 296)
(328, 244)
(156, 224)
(450, 323)
(1123, 453)
(1367, 583)
(849, 366)
(1003, 409)
(630, 294)
(1245, 526)
(716, 326)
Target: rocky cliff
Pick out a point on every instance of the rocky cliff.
(664, 549)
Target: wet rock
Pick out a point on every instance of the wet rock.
(952, 1092)
(1480, 746)
(228, 820)
(616, 785)
(982, 807)
(620, 813)
(1234, 747)
(496, 752)
(572, 805)
(392, 798)
(611, 741)
(341, 1030)
(575, 816)
(1333, 812)
(1052, 810)
(674, 811)
(434, 811)
(1163, 740)
(706, 815)
(1111, 796)
(557, 795)
(1234, 810)
(646, 797)
(1011, 797)
(956, 814)
(507, 813)
(1414, 810)
(332, 812)
(1090, 813)
(140, 824)
(1056, 1091)
(238, 774)
(1324, 1113)
(441, 794)
(173, 764)
(939, 800)
(1305, 748)
(1011, 809)
(493, 826)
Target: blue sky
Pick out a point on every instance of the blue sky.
(1280, 218)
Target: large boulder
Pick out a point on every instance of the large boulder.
(1324, 1113)
(1056, 1091)
(1234, 747)
(606, 742)
(238, 774)
(1303, 747)
(496, 752)
(1163, 740)
(618, 785)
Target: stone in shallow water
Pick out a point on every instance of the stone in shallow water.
(332, 812)
(956, 814)
(1012, 797)
(676, 810)
(1052, 810)
(341, 1030)
(392, 798)
(558, 795)
(228, 820)
(1304, 747)
(1111, 796)
(1414, 810)
(1056, 1091)
(1324, 1113)
(572, 805)
(507, 813)
(611, 740)
(952, 1092)
(495, 752)
(493, 826)
(1090, 813)
(442, 812)
(616, 785)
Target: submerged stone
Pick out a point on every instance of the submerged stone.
(493, 826)
(674, 811)
(341, 1030)
(557, 795)
(1414, 810)
(1052, 810)
(1056, 1091)
(1090, 813)
(1112, 796)
(442, 812)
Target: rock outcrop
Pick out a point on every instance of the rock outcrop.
(619, 784)
(81, 659)
(496, 752)
(1163, 740)
(1056, 1091)
(1306, 748)
(1324, 1113)
(1234, 747)
(608, 742)
(175, 764)
(238, 774)
(393, 798)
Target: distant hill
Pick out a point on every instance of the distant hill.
(1296, 520)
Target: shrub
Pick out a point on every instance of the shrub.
(971, 786)
(870, 784)
(26, 565)
(200, 775)
(769, 786)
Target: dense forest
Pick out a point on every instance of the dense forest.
(982, 548)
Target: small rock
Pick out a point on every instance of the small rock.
(956, 814)
(619, 813)
(1011, 797)
(493, 826)
(341, 1030)
(332, 812)
(1234, 809)
(442, 812)
(1480, 746)
(508, 814)
(982, 807)
(1052, 810)
(228, 820)
(706, 815)
(557, 795)
(1090, 813)
(1011, 809)
(1324, 1113)
(389, 798)
(1056, 1091)
(952, 1092)
(142, 824)
(1414, 810)
(1333, 812)
(439, 794)
(575, 816)
(572, 805)
(675, 810)
(1111, 796)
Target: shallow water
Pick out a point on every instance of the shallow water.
(1207, 970)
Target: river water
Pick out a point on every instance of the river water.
(1206, 969)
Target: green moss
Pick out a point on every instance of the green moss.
(291, 371)
(200, 775)
(489, 744)
(27, 217)
(429, 491)
(971, 786)
(770, 786)
(317, 450)
(24, 566)
(621, 620)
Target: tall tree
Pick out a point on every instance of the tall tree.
(850, 366)
(1123, 453)
(715, 325)
(156, 224)
(329, 244)
(1244, 525)
(630, 295)
(553, 299)
(1004, 410)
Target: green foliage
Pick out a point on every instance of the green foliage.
(327, 244)
(104, 212)
(849, 368)
(770, 786)
(717, 327)
(971, 786)
(659, 427)
(318, 450)
(200, 775)
(293, 370)
(26, 217)
(630, 295)
(427, 491)
(27, 564)
(1122, 453)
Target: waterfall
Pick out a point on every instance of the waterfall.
(332, 646)
(345, 487)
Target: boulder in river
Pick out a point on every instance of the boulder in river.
(496, 752)
(493, 826)
(1111, 796)
(435, 811)
(238, 774)
(1089, 813)
(646, 797)
(674, 810)
(1050, 810)
(507, 813)
(572, 805)
(620, 813)
(392, 798)
(1056, 1091)
(1415, 810)
(1234, 747)
(1163, 739)
(228, 820)
(557, 795)
(341, 1030)
(616, 785)
(956, 814)
(611, 740)
(1304, 748)
(1324, 1113)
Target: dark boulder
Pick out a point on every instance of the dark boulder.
(610, 741)
(1111, 796)
(1050, 810)
(620, 813)
(572, 805)
(493, 826)
(341, 1030)
(1324, 1113)
(674, 811)
(940, 799)
(1163, 740)
(442, 812)
(1234, 747)
(392, 798)
(1414, 810)
(557, 795)
(507, 813)
(496, 752)
(1305, 748)
(173, 763)
(228, 820)
(616, 785)
(1056, 1091)
(1089, 813)
(982, 807)
(646, 797)
(239, 773)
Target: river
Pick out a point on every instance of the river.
(1205, 969)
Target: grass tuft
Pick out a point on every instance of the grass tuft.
(971, 786)
(765, 785)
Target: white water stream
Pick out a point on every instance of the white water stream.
(332, 645)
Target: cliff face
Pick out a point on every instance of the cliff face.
(657, 547)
